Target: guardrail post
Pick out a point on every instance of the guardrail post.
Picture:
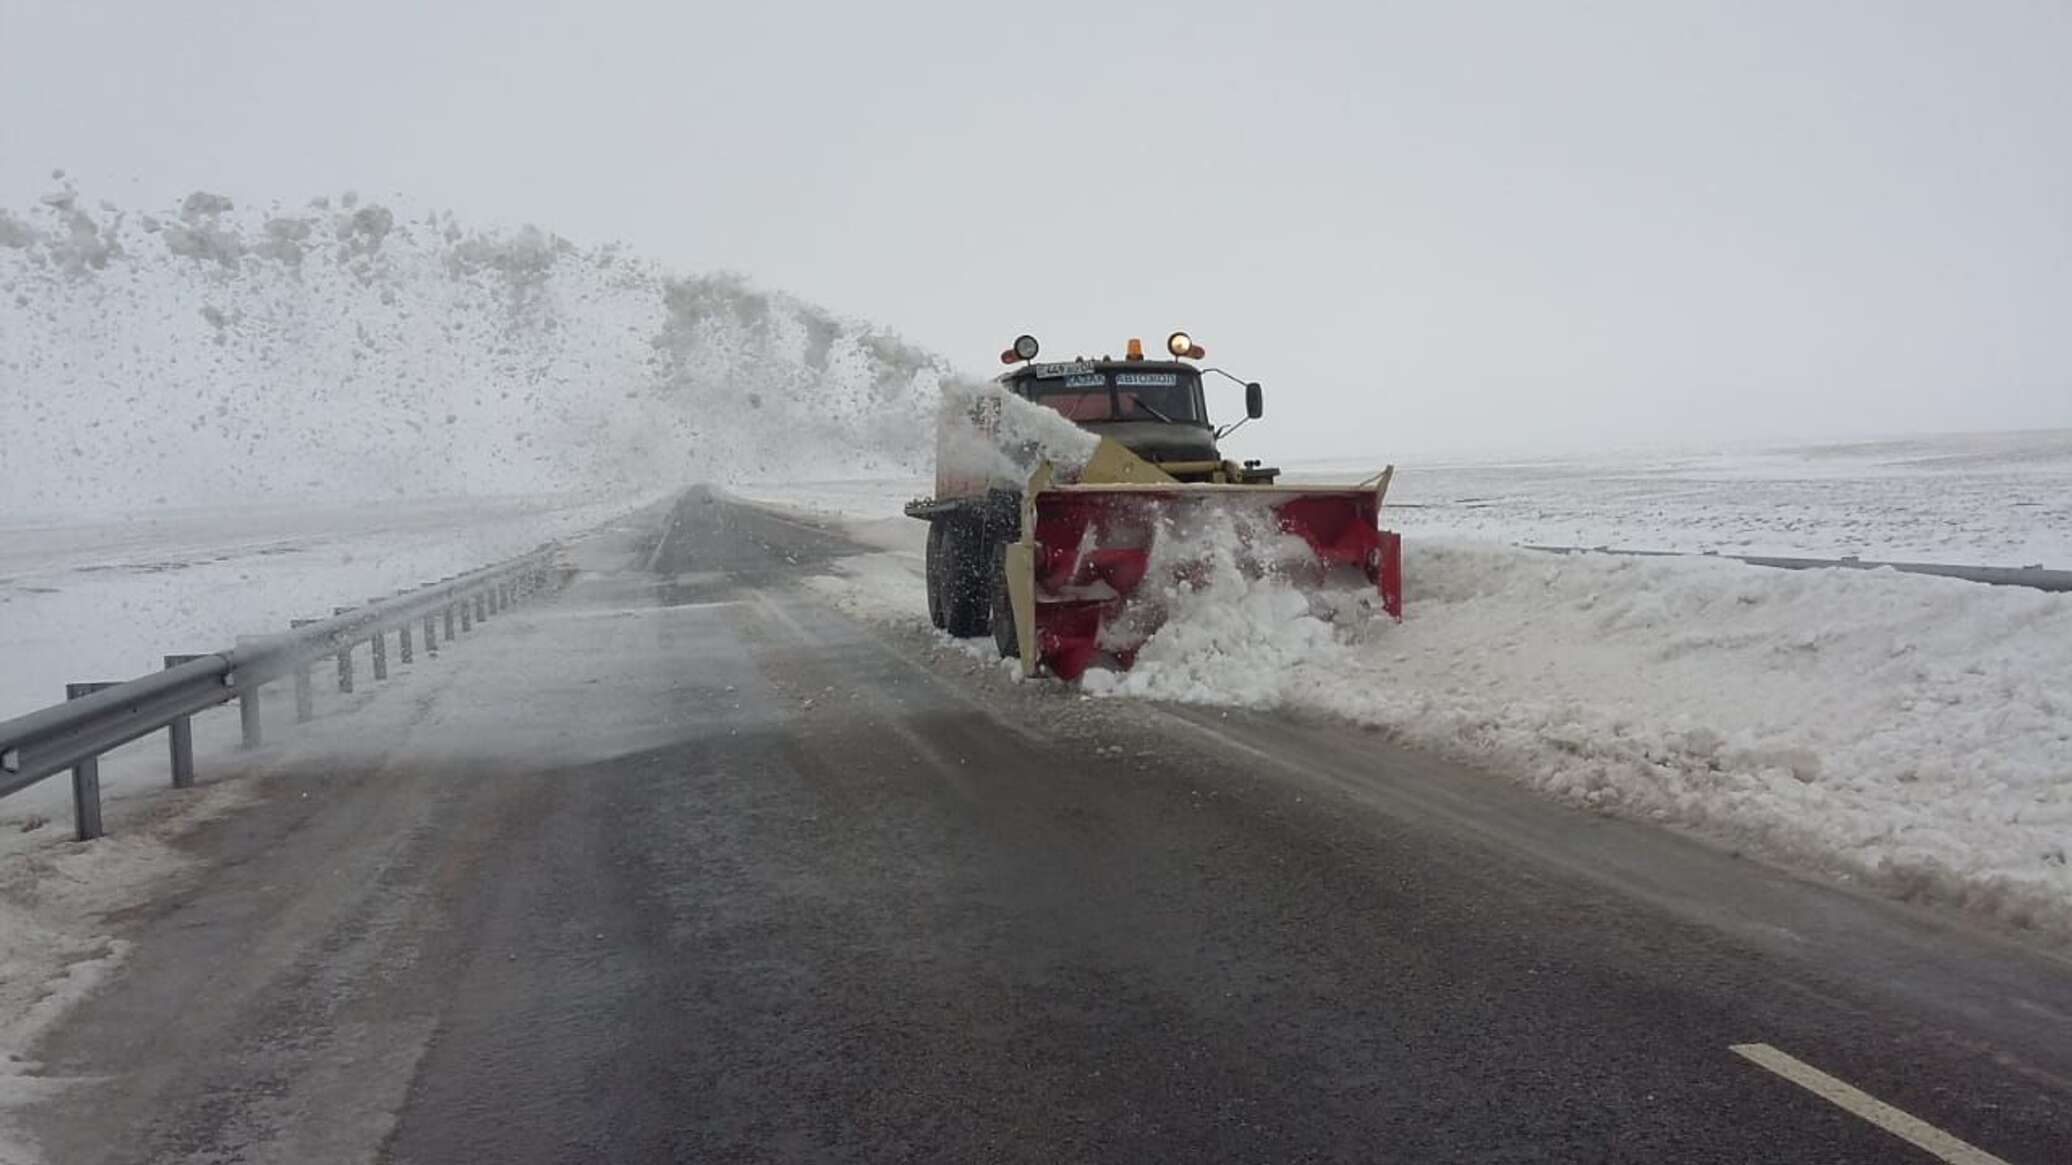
(345, 656)
(247, 705)
(379, 643)
(86, 779)
(248, 715)
(179, 737)
(467, 622)
(431, 626)
(481, 607)
(403, 635)
(305, 688)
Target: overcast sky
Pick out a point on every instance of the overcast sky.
(1423, 226)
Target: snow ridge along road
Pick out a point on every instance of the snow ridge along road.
(1912, 734)
(684, 865)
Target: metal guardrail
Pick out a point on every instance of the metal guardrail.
(2033, 577)
(98, 717)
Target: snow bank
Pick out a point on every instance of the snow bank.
(1915, 732)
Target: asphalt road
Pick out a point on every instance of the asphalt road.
(697, 869)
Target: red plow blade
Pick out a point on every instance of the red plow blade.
(1104, 557)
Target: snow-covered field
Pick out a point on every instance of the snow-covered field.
(1993, 499)
(106, 598)
(1913, 733)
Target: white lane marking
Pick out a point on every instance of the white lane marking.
(1911, 1129)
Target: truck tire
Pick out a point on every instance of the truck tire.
(966, 609)
(1002, 605)
(934, 573)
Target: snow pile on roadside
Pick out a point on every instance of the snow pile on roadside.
(1915, 732)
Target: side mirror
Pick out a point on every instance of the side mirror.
(1255, 401)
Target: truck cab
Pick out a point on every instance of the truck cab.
(1154, 408)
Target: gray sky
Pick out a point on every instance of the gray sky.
(1424, 226)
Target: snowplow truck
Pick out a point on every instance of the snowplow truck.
(1071, 542)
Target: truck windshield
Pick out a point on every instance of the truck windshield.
(1152, 395)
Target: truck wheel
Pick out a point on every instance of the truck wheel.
(1002, 604)
(934, 572)
(966, 613)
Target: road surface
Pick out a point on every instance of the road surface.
(683, 865)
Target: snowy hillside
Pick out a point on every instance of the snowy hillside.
(343, 350)
(222, 417)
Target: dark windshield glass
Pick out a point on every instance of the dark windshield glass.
(1150, 395)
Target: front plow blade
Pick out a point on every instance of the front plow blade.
(1103, 561)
